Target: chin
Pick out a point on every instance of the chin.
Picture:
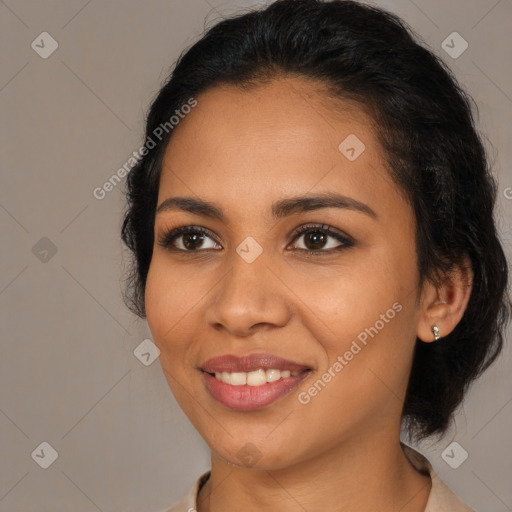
(255, 452)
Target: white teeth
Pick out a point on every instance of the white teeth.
(254, 378)
(273, 375)
(239, 379)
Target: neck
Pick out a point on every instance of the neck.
(365, 474)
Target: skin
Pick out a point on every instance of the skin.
(242, 151)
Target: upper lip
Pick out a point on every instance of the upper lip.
(231, 363)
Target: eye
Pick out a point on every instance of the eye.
(314, 239)
(188, 239)
(318, 239)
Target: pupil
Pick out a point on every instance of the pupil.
(315, 240)
(192, 240)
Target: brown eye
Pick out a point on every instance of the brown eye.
(188, 239)
(316, 239)
(192, 241)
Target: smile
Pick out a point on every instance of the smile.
(254, 378)
(252, 381)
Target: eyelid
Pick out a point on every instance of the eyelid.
(344, 241)
(169, 235)
(330, 230)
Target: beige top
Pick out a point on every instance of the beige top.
(441, 499)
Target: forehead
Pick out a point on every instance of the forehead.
(284, 137)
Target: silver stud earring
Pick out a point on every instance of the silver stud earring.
(435, 330)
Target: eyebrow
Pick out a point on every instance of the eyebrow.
(280, 209)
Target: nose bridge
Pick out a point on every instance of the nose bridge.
(249, 294)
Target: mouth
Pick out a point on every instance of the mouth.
(252, 362)
(254, 378)
(251, 382)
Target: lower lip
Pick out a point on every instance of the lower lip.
(249, 398)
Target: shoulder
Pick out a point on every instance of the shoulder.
(189, 502)
(441, 498)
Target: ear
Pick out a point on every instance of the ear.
(444, 305)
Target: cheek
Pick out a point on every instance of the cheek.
(169, 301)
(364, 377)
(364, 320)
(156, 303)
(167, 304)
(354, 297)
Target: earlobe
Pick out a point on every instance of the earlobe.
(443, 306)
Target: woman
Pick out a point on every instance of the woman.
(316, 257)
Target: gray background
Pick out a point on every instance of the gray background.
(69, 376)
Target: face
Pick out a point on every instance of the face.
(295, 251)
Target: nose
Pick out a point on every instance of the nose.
(250, 297)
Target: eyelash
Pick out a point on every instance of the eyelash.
(168, 238)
